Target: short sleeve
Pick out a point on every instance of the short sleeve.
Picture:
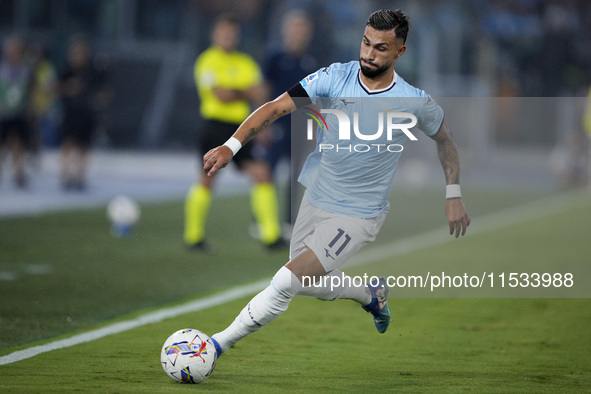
(430, 116)
(318, 84)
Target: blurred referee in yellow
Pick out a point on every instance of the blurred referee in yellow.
(228, 81)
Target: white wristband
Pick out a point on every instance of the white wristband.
(453, 191)
(233, 144)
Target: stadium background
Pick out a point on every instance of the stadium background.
(512, 75)
(485, 48)
(457, 48)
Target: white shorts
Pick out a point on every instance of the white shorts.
(333, 238)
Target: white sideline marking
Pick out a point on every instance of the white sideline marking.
(489, 222)
(149, 318)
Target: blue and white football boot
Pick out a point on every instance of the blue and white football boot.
(378, 306)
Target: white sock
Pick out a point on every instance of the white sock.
(262, 309)
(336, 284)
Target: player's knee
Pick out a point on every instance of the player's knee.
(286, 283)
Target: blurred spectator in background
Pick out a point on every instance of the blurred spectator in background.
(284, 67)
(84, 91)
(570, 158)
(43, 97)
(587, 130)
(561, 64)
(227, 82)
(561, 25)
(15, 87)
(44, 94)
(587, 115)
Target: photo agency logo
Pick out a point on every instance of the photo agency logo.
(389, 122)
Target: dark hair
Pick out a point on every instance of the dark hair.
(390, 20)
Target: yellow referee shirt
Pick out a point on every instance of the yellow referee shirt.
(216, 68)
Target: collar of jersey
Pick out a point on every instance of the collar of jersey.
(369, 91)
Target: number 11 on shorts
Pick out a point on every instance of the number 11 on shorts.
(336, 239)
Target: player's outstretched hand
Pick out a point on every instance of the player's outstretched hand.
(216, 158)
(457, 216)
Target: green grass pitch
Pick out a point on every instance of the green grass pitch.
(433, 345)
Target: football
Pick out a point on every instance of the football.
(188, 356)
(124, 213)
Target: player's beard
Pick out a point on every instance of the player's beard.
(373, 72)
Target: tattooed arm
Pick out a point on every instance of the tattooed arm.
(448, 155)
(456, 213)
(259, 120)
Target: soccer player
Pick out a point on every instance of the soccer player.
(227, 81)
(346, 196)
(15, 93)
(83, 89)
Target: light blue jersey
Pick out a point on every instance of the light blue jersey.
(358, 146)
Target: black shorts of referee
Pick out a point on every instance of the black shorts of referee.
(215, 133)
